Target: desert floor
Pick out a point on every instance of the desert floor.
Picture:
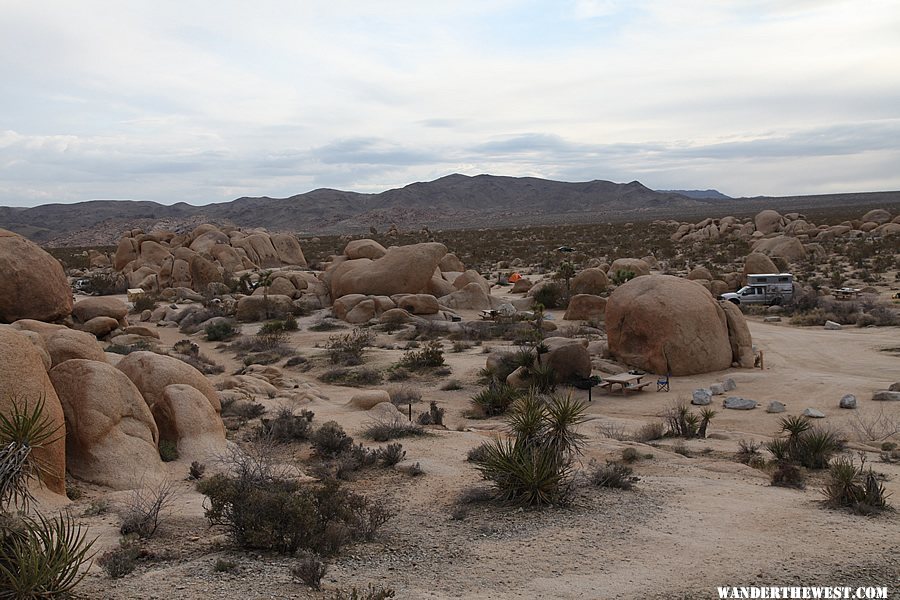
(690, 524)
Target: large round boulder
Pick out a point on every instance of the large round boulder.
(769, 221)
(111, 438)
(152, 372)
(24, 384)
(260, 308)
(186, 418)
(758, 263)
(364, 248)
(99, 306)
(877, 216)
(32, 283)
(742, 354)
(788, 248)
(67, 344)
(589, 281)
(288, 248)
(667, 324)
(569, 358)
(632, 265)
(402, 270)
(585, 307)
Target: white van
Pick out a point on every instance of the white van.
(767, 288)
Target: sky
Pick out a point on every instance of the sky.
(209, 101)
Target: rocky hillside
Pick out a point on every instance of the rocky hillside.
(451, 202)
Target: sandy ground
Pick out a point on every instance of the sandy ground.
(690, 524)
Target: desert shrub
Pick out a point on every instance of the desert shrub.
(391, 454)
(22, 430)
(854, 487)
(243, 409)
(289, 323)
(460, 346)
(397, 373)
(494, 399)
(105, 284)
(348, 349)
(453, 384)
(286, 426)
(310, 569)
(404, 394)
(370, 593)
(549, 295)
(612, 475)
(121, 561)
(613, 431)
(383, 430)
(96, 508)
(147, 505)
(143, 302)
(357, 457)
(327, 325)
(630, 455)
(262, 510)
(434, 416)
(330, 440)
(787, 474)
(429, 356)
(124, 349)
(196, 470)
(168, 450)
(352, 377)
(534, 467)
(222, 330)
(748, 450)
(224, 566)
(650, 431)
(621, 276)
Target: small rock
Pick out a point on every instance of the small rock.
(886, 396)
(813, 413)
(701, 397)
(738, 403)
(895, 387)
(771, 319)
(776, 407)
(717, 389)
(729, 384)
(848, 401)
(832, 326)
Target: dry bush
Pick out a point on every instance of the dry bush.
(404, 394)
(146, 507)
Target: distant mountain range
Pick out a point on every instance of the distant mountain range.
(451, 202)
(703, 194)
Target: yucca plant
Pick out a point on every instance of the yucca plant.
(43, 557)
(40, 557)
(815, 448)
(494, 399)
(542, 377)
(854, 487)
(21, 432)
(706, 415)
(795, 426)
(534, 467)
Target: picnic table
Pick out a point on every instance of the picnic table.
(846, 293)
(627, 382)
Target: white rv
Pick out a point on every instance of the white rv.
(767, 288)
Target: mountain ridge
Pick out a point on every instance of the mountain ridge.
(454, 201)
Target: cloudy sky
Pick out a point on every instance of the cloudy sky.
(208, 101)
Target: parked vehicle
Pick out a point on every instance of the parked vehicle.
(767, 288)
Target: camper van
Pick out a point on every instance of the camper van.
(768, 288)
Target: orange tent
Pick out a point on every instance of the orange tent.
(514, 277)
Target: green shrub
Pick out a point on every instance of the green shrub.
(383, 430)
(429, 356)
(353, 377)
(391, 454)
(142, 303)
(286, 426)
(222, 330)
(168, 450)
(370, 593)
(495, 399)
(348, 349)
(271, 513)
(808, 446)
(289, 323)
(121, 561)
(621, 276)
(330, 440)
(549, 295)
